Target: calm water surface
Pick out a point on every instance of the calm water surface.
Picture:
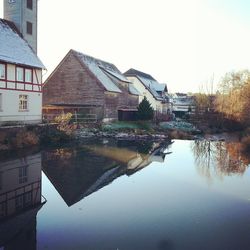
(126, 195)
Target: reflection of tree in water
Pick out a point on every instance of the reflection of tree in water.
(145, 147)
(217, 158)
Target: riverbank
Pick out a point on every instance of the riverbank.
(16, 137)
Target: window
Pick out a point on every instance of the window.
(30, 4)
(28, 75)
(29, 28)
(1, 108)
(2, 71)
(23, 102)
(1, 180)
(23, 174)
(19, 74)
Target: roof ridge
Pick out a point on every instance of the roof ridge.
(138, 73)
(96, 60)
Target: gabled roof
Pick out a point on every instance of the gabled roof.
(150, 85)
(14, 49)
(149, 82)
(134, 72)
(133, 90)
(98, 68)
(119, 76)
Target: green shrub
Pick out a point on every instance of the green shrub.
(145, 111)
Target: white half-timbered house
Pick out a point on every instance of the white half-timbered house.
(20, 68)
(20, 77)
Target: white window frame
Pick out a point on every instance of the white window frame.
(2, 71)
(23, 102)
(20, 74)
(28, 75)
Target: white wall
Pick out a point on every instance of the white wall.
(9, 110)
(156, 105)
(10, 106)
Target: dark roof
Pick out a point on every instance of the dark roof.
(134, 72)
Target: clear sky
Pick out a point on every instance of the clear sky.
(184, 43)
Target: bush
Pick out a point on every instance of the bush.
(26, 138)
(65, 124)
(52, 135)
(145, 111)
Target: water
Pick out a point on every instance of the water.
(126, 195)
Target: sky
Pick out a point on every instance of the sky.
(189, 45)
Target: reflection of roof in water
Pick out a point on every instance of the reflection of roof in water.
(91, 168)
(73, 175)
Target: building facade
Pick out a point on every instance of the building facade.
(20, 200)
(155, 92)
(182, 104)
(20, 68)
(82, 83)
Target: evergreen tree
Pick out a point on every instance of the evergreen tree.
(145, 111)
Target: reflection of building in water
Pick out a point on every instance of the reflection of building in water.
(76, 173)
(20, 200)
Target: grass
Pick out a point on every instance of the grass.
(125, 125)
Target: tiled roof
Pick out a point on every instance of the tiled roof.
(149, 82)
(134, 72)
(98, 68)
(133, 90)
(117, 75)
(14, 49)
(150, 85)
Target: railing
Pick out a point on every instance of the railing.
(9, 120)
(7, 199)
(76, 118)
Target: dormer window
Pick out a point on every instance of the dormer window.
(30, 4)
